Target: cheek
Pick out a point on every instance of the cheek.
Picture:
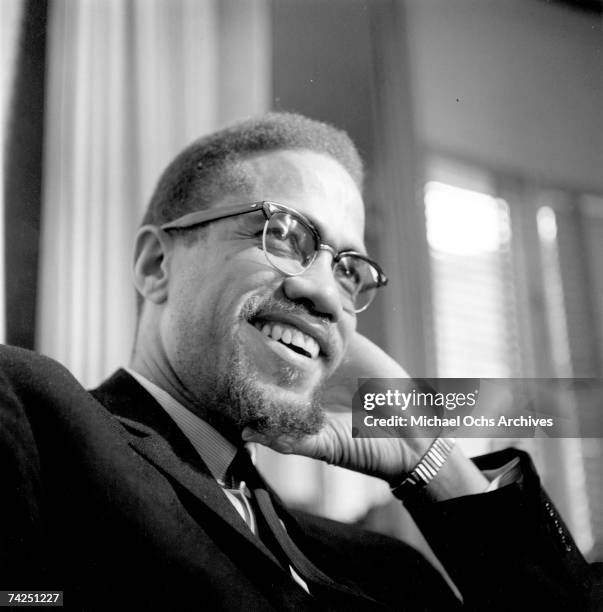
(213, 300)
(352, 325)
(208, 292)
(347, 329)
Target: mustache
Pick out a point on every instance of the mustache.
(256, 306)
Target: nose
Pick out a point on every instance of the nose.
(318, 286)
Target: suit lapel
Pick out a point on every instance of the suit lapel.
(155, 437)
(158, 440)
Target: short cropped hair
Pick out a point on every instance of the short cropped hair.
(207, 168)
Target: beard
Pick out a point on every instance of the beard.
(267, 408)
(255, 405)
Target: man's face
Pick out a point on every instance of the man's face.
(248, 345)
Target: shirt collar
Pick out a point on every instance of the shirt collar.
(215, 450)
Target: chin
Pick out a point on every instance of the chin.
(278, 420)
(272, 407)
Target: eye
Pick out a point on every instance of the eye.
(286, 235)
(348, 275)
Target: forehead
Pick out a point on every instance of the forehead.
(314, 184)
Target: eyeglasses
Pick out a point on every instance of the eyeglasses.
(291, 243)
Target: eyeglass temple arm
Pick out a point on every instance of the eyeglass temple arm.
(203, 216)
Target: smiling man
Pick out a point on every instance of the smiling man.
(251, 269)
(245, 324)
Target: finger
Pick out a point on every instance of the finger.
(287, 445)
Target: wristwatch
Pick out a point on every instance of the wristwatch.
(426, 469)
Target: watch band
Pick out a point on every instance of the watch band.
(426, 469)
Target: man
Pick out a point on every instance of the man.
(250, 268)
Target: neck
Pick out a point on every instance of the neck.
(155, 370)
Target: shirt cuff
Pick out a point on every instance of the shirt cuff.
(505, 475)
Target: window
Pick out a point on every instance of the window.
(517, 291)
(469, 238)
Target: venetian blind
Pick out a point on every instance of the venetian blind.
(580, 244)
(474, 305)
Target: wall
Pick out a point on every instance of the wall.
(343, 61)
(515, 84)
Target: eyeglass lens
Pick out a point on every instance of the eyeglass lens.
(291, 247)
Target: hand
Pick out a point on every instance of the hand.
(388, 458)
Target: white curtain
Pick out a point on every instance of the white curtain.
(11, 12)
(129, 84)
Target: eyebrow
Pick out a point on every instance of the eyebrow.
(320, 228)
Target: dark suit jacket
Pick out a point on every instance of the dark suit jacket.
(104, 498)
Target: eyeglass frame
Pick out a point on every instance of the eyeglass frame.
(269, 208)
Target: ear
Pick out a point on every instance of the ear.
(151, 273)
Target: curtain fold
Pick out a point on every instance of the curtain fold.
(130, 83)
(11, 19)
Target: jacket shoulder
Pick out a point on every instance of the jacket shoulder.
(15, 358)
(29, 375)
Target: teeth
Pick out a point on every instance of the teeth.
(277, 332)
(298, 339)
(288, 334)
